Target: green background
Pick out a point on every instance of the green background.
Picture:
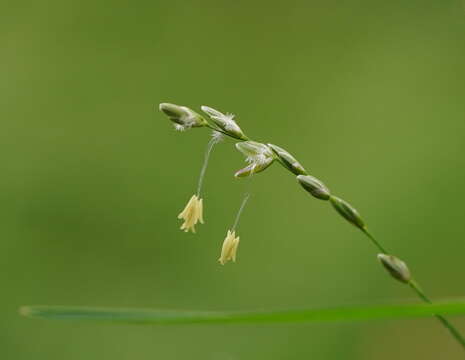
(368, 95)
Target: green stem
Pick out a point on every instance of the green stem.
(374, 241)
(454, 332)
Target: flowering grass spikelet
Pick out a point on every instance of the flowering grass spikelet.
(396, 267)
(314, 186)
(224, 122)
(258, 155)
(251, 169)
(288, 160)
(348, 212)
(192, 214)
(183, 117)
(229, 248)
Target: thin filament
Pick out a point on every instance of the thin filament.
(238, 216)
(210, 145)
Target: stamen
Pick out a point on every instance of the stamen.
(241, 209)
(213, 141)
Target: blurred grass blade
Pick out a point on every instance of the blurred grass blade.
(164, 317)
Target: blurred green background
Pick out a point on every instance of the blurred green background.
(369, 96)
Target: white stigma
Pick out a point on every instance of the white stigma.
(217, 136)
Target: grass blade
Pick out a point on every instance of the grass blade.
(165, 317)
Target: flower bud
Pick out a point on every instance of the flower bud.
(314, 186)
(348, 212)
(183, 117)
(288, 160)
(396, 267)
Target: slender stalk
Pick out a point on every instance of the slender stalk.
(455, 333)
(374, 241)
(241, 209)
(210, 145)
